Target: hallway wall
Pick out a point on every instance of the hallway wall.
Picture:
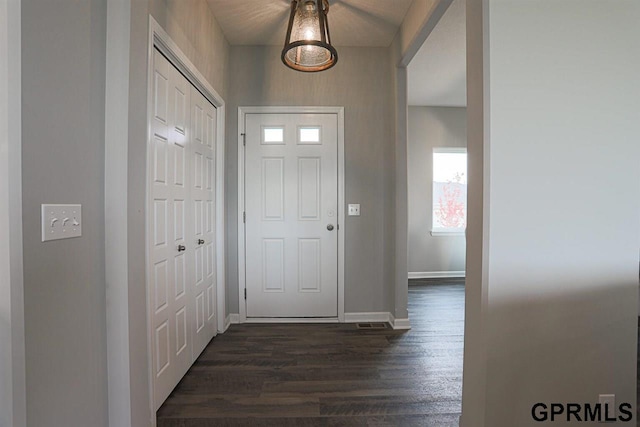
(361, 82)
(196, 32)
(192, 26)
(551, 307)
(63, 83)
(63, 110)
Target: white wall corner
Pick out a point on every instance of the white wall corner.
(401, 222)
(399, 324)
(234, 318)
(420, 20)
(12, 334)
(230, 319)
(116, 185)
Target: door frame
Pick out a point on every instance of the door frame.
(13, 399)
(242, 112)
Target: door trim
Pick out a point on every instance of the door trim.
(12, 327)
(242, 306)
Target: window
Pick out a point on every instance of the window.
(309, 135)
(272, 135)
(449, 207)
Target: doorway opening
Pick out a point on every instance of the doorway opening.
(436, 152)
(437, 182)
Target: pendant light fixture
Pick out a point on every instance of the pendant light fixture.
(307, 46)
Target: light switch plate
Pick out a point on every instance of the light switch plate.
(61, 222)
(607, 400)
(354, 209)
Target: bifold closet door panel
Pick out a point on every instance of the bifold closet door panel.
(170, 250)
(203, 119)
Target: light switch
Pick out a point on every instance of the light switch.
(61, 222)
(354, 209)
(608, 407)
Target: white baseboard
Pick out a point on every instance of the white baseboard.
(435, 274)
(399, 324)
(382, 316)
(291, 320)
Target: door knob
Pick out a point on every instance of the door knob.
(181, 248)
(200, 242)
(330, 227)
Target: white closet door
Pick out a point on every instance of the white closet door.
(203, 119)
(181, 226)
(168, 214)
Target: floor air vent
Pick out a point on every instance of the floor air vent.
(377, 325)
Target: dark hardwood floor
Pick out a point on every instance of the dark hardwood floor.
(331, 374)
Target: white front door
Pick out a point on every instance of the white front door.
(291, 207)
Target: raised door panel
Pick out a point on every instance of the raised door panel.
(273, 261)
(309, 265)
(272, 188)
(309, 170)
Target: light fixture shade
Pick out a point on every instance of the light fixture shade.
(307, 46)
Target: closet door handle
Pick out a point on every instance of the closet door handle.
(200, 242)
(181, 248)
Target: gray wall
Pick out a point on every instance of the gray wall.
(431, 127)
(556, 299)
(63, 66)
(361, 82)
(192, 26)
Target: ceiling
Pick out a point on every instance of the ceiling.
(437, 74)
(351, 22)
